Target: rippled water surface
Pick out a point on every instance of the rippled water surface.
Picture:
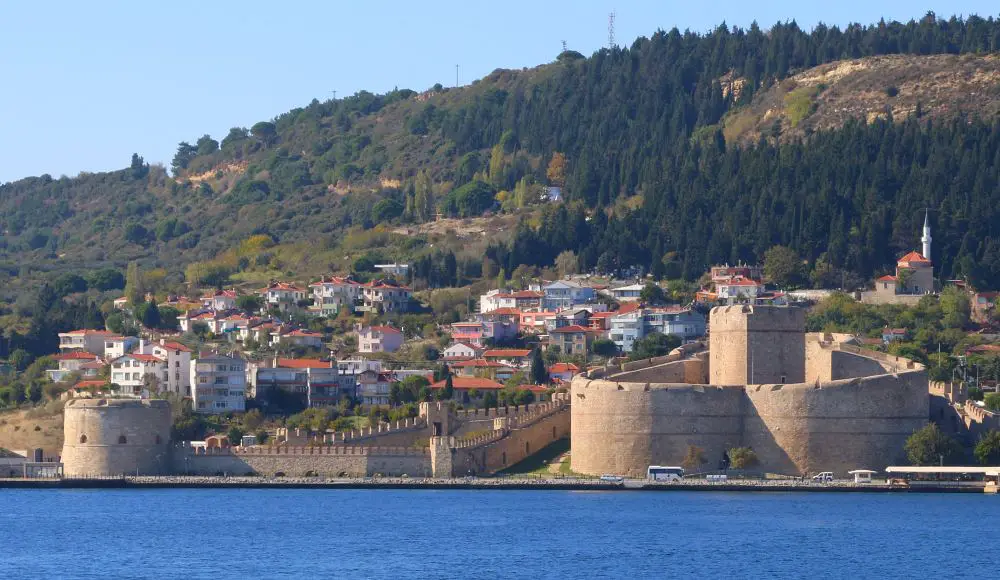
(489, 534)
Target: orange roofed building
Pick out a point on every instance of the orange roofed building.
(914, 277)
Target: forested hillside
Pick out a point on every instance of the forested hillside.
(636, 137)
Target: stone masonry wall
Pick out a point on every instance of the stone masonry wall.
(756, 344)
(519, 443)
(625, 427)
(301, 461)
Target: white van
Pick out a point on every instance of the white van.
(823, 477)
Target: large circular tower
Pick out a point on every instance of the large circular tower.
(115, 437)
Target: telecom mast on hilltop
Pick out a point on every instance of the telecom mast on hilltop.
(611, 31)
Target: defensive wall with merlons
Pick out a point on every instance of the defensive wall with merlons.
(115, 437)
(848, 408)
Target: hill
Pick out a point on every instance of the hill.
(824, 98)
(654, 146)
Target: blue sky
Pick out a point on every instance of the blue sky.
(83, 85)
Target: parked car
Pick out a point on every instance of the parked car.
(612, 478)
(823, 477)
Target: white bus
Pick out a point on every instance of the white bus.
(661, 473)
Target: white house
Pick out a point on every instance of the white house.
(461, 351)
(297, 337)
(282, 296)
(565, 294)
(220, 300)
(738, 287)
(116, 346)
(91, 341)
(75, 362)
(379, 339)
(177, 358)
(219, 383)
(627, 293)
(384, 296)
(373, 387)
(332, 294)
(134, 373)
(636, 324)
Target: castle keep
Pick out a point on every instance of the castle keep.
(803, 402)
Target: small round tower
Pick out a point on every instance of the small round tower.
(116, 437)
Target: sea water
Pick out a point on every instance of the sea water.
(275, 533)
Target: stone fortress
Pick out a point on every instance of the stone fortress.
(118, 437)
(803, 402)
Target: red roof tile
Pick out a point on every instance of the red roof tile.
(887, 279)
(75, 355)
(503, 312)
(571, 329)
(303, 363)
(564, 368)
(175, 346)
(505, 352)
(466, 383)
(383, 329)
(477, 363)
(913, 257)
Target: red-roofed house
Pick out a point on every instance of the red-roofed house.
(72, 362)
(460, 383)
(129, 372)
(177, 358)
(91, 341)
(573, 339)
(379, 339)
(220, 300)
(286, 336)
(563, 371)
(333, 293)
(282, 295)
(914, 276)
(738, 288)
(517, 357)
(384, 296)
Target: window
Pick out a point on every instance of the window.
(202, 380)
(157, 440)
(83, 438)
(220, 380)
(177, 364)
(122, 440)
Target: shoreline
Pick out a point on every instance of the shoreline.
(506, 483)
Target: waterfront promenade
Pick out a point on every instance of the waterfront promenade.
(507, 483)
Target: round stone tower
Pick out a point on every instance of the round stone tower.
(752, 345)
(116, 437)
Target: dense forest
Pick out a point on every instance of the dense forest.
(633, 136)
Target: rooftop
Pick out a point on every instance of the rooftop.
(303, 363)
(466, 383)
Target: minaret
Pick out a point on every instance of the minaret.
(926, 238)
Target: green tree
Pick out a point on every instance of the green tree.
(489, 400)
(149, 314)
(185, 153)
(115, 322)
(929, 446)
(448, 391)
(539, 374)
(105, 279)
(955, 307)
(135, 292)
(235, 435)
(694, 458)
(988, 448)
(262, 437)
(567, 263)
(604, 347)
(423, 200)
(992, 401)
(206, 145)
(264, 132)
(782, 266)
(249, 303)
(652, 294)
(653, 345)
(742, 458)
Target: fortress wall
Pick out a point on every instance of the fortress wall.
(838, 426)
(819, 361)
(681, 371)
(114, 437)
(623, 428)
(515, 447)
(298, 461)
(756, 344)
(847, 365)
